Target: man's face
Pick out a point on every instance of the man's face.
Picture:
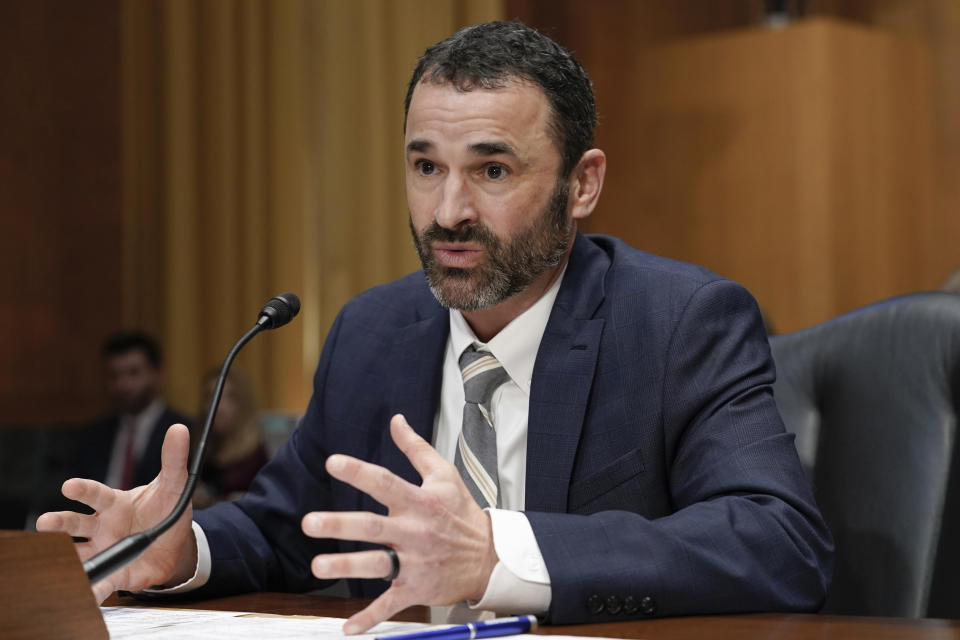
(132, 382)
(488, 210)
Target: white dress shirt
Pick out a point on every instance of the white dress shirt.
(519, 582)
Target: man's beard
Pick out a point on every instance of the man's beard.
(511, 266)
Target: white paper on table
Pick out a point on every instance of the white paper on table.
(195, 624)
(125, 623)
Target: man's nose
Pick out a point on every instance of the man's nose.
(456, 204)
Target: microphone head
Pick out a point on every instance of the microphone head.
(279, 310)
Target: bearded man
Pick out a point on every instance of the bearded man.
(577, 429)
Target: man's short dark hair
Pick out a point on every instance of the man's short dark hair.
(490, 55)
(125, 341)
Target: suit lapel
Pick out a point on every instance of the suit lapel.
(563, 378)
(415, 383)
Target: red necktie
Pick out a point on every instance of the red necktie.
(129, 463)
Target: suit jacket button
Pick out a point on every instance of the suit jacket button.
(630, 605)
(614, 604)
(648, 605)
(595, 604)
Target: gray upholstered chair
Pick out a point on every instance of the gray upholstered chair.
(873, 397)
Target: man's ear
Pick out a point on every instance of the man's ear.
(586, 181)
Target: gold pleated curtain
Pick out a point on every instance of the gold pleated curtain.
(263, 153)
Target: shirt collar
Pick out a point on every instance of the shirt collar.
(150, 414)
(517, 343)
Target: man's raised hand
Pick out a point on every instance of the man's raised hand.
(171, 558)
(442, 538)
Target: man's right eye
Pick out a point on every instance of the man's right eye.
(425, 167)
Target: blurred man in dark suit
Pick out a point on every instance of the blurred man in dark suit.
(122, 449)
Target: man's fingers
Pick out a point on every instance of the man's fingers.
(362, 564)
(75, 524)
(94, 494)
(378, 483)
(174, 455)
(350, 525)
(383, 608)
(54, 522)
(418, 451)
(103, 589)
(50, 521)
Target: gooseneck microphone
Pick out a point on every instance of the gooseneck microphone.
(278, 311)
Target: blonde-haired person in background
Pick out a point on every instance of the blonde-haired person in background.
(236, 449)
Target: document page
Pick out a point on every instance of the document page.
(127, 623)
(188, 624)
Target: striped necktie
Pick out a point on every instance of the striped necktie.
(476, 456)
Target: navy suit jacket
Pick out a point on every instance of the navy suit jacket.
(660, 480)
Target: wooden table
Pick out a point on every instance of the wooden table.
(732, 627)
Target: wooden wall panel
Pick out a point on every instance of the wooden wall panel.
(936, 24)
(60, 223)
(796, 161)
(905, 234)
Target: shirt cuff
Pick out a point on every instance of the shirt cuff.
(519, 582)
(201, 575)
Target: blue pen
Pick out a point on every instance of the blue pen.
(489, 629)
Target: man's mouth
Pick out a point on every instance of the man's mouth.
(458, 255)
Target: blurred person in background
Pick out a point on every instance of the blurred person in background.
(236, 450)
(122, 449)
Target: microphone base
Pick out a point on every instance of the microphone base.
(124, 552)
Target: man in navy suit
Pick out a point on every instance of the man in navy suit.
(641, 466)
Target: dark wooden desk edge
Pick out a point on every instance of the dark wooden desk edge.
(781, 626)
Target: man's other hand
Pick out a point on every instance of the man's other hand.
(171, 558)
(442, 538)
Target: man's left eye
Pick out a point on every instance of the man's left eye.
(495, 171)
